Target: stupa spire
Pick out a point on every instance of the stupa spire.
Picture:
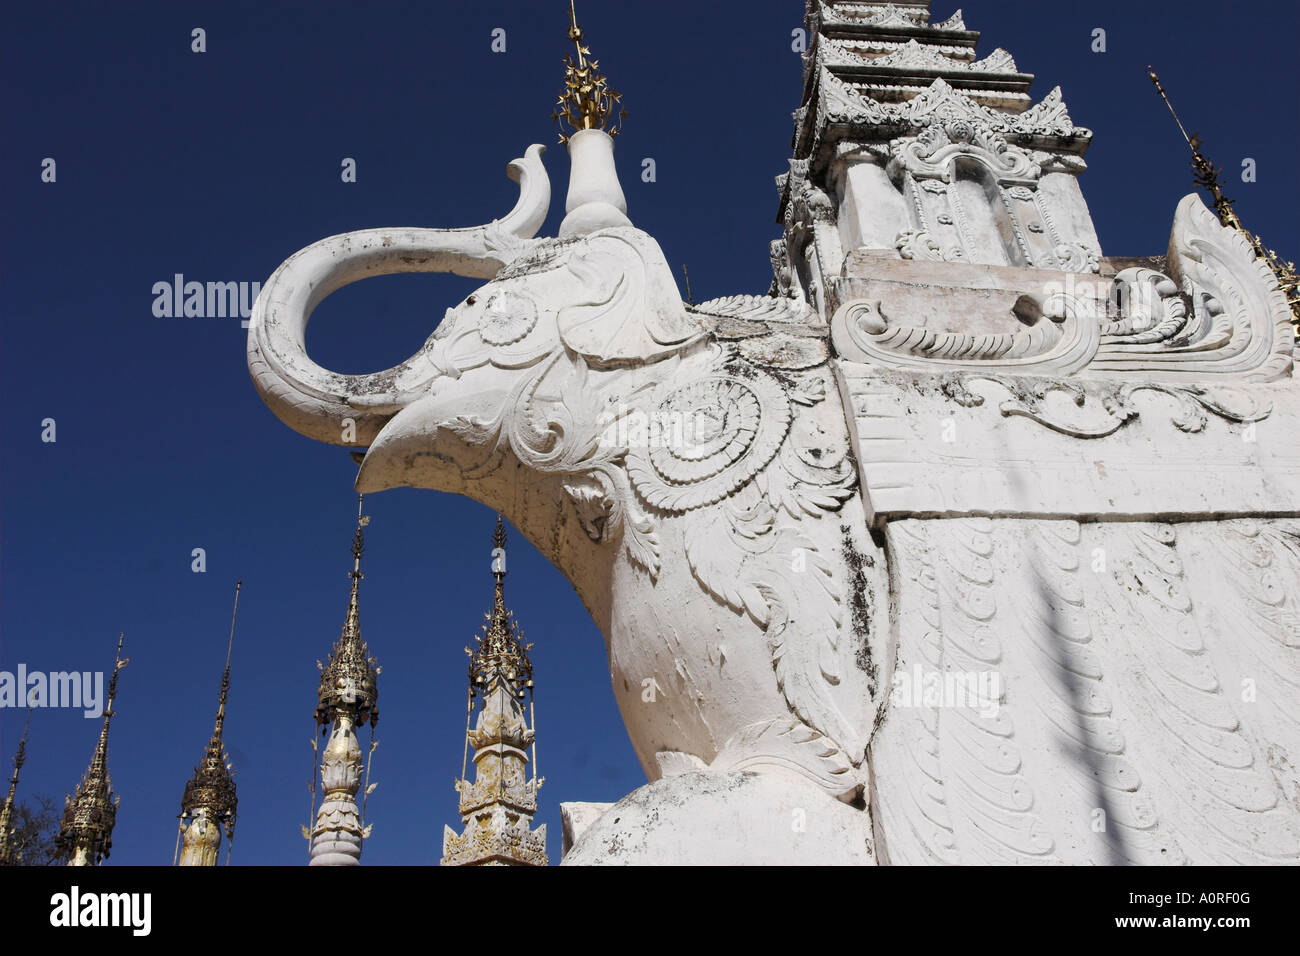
(1210, 178)
(498, 807)
(86, 831)
(346, 700)
(209, 802)
(11, 855)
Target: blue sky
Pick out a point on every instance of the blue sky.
(219, 165)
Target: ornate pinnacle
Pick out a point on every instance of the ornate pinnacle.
(1209, 177)
(501, 652)
(497, 808)
(212, 788)
(9, 854)
(349, 679)
(86, 832)
(588, 101)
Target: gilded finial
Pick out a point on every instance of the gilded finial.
(1209, 177)
(86, 831)
(212, 788)
(500, 651)
(349, 678)
(588, 101)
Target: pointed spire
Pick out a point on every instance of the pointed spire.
(209, 802)
(11, 855)
(1210, 178)
(500, 651)
(346, 698)
(349, 677)
(498, 807)
(86, 832)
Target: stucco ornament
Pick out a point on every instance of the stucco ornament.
(948, 451)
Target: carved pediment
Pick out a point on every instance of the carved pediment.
(840, 104)
(914, 55)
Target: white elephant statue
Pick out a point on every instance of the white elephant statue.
(756, 501)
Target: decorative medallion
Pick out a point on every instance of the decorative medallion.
(507, 317)
(709, 438)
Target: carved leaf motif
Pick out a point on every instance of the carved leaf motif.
(1239, 326)
(641, 541)
(718, 564)
(1262, 564)
(502, 243)
(809, 480)
(1222, 791)
(784, 744)
(971, 797)
(755, 308)
(814, 667)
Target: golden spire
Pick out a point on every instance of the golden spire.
(349, 678)
(11, 855)
(86, 831)
(500, 651)
(1209, 176)
(211, 791)
(588, 101)
(346, 699)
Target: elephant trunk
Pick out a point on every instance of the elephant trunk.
(350, 409)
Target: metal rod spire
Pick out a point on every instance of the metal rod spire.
(1209, 176)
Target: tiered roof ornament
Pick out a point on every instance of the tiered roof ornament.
(209, 802)
(10, 853)
(897, 113)
(86, 831)
(498, 807)
(347, 699)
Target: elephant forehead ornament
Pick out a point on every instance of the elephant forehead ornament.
(687, 467)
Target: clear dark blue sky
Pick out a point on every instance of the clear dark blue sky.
(220, 165)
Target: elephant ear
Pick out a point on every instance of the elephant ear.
(629, 310)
